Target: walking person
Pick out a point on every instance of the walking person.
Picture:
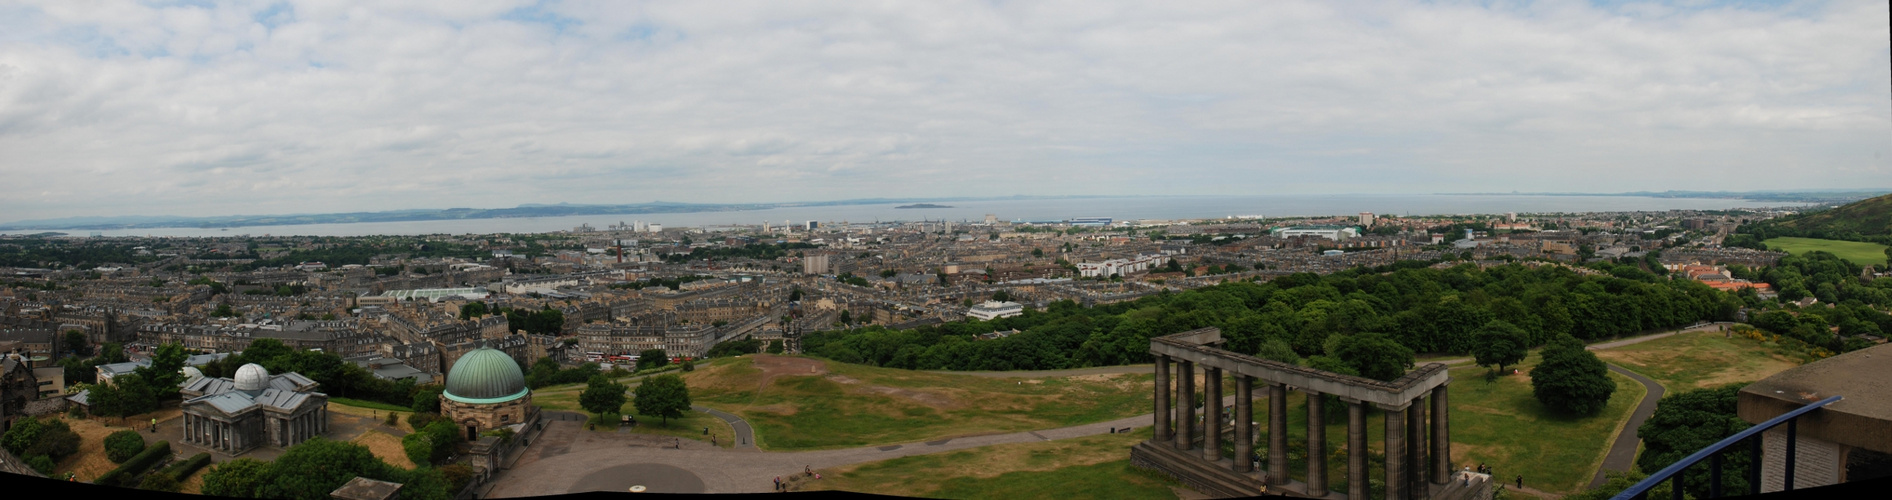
(1520, 481)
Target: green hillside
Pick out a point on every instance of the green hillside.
(1865, 220)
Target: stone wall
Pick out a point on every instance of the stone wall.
(46, 406)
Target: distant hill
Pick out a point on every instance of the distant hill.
(1864, 220)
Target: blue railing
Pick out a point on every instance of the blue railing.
(1713, 453)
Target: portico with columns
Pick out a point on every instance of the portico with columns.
(1189, 448)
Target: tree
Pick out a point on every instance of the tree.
(602, 396)
(314, 468)
(1686, 422)
(664, 396)
(223, 311)
(1571, 379)
(238, 478)
(1499, 343)
(166, 370)
(427, 398)
(1374, 355)
(76, 343)
(775, 347)
(159, 481)
(127, 395)
(1278, 350)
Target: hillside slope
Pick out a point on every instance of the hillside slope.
(1868, 217)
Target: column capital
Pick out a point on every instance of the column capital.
(1398, 407)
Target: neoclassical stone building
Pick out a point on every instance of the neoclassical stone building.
(255, 409)
(485, 391)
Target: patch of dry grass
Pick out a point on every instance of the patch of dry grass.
(385, 446)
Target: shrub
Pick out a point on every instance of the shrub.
(137, 464)
(122, 445)
(392, 419)
(420, 421)
(41, 463)
(419, 447)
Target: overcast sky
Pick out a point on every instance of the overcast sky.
(218, 108)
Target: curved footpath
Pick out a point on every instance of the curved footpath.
(1622, 453)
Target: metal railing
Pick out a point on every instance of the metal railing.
(1713, 453)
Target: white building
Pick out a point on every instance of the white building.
(1366, 219)
(814, 263)
(1123, 267)
(990, 310)
(1336, 233)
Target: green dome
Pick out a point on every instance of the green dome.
(485, 376)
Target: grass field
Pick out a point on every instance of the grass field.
(1858, 252)
(1700, 360)
(798, 403)
(1500, 424)
(1088, 467)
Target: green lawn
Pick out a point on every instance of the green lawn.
(1858, 252)
(1700, 360)
(855, 405)
(1500, 424)
(1087, 467)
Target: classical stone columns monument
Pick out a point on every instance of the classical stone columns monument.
(1415, 468)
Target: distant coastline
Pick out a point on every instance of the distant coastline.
(924, 205)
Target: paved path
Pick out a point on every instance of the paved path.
(745, 436)
(1622, 453)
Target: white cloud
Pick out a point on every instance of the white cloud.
(315, 106)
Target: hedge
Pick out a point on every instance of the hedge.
(137, 464)
(184, 468)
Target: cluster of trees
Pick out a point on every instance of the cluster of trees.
(671, 283)
(652, 358)
(337, 378)
(314, 468)
(40, 442)
(361, 251)
(145, 388)
(1418, 308)
(734, 348)
(1823, 276)
(546, 372)
(1684, 423)
(851, 279)
(52, 253)
(547, 321)
(80, 370)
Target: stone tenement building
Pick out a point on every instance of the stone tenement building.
(485, 391)
(253, 410)
(18, 387)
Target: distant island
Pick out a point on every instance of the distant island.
(924, 205)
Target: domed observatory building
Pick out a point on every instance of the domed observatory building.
(485, 391)
(254, 409)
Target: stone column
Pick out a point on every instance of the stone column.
(1441, 437)
(1185, 401)
(1277, 433)
(1416, 449)
(1212, 416)
(1244, 424)
(1316, 447)
(1395, 453)
(1161, 430)
(1356, 450)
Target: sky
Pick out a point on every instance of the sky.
(203, 108)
